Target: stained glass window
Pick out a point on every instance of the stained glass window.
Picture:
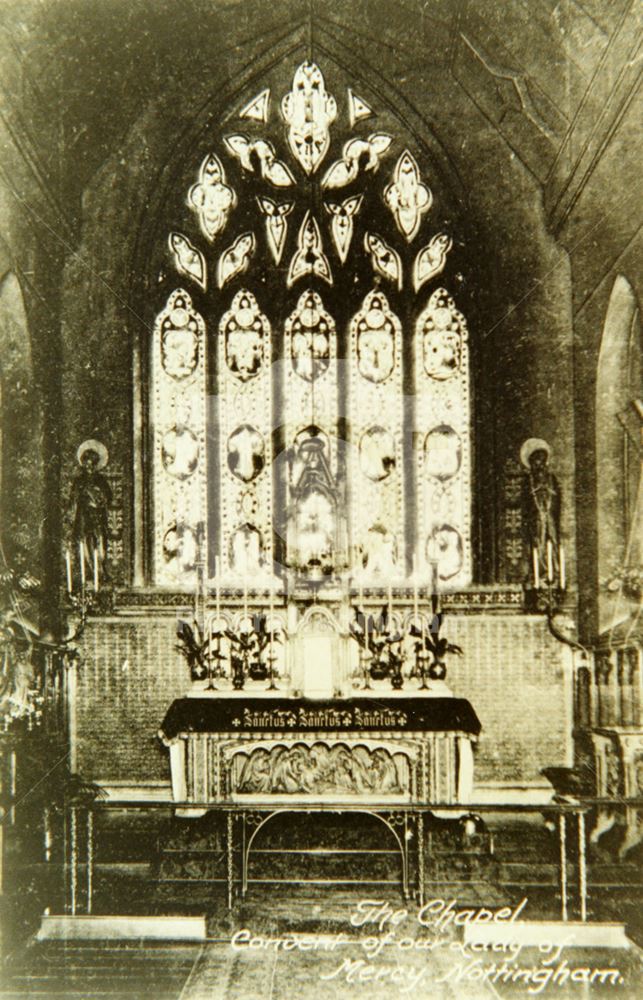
(310, 402)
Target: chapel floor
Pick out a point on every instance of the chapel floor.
(181, 881)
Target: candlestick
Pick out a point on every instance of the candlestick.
(415, 590)
(561, 567)
(536, 566)
(217, 573)
(435, 590)
(96, 571)
(12, 786)
(81, 557)
(271, 628)
(550, 561)
(68, 569)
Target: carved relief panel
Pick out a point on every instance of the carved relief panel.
(179, 433)
(322, 769)
(442, 446)
(245, 440)
(375, 467)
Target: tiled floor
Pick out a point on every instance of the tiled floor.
(299, 970)
(309, 918)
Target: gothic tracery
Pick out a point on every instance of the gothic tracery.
(344, 489)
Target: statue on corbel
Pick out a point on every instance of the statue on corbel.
(86, 555)
(315, 536)
(541, 518)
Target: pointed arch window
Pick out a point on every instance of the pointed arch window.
(310, 402)
(619, 434)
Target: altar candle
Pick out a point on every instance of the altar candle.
(96, 570)
(12, 786)
(47, 833)
(360, 597)
(435, 589)
(415, 590)
(68, 569)
(390, 605)
(561, 567)
(536, 569)
(550, 561)
(81, 557)
(245, 597)
(217, 573)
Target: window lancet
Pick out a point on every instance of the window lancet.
(179, 434)
(245, 440)
(315, 537)
(376, 421)
(443, 485)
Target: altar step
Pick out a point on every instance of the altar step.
(77, 970)
(291, 848)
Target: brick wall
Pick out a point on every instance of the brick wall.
(511, 671)
(129, 674)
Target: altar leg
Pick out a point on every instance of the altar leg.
(405, 857)
(90, 858)
(582, 867)
(73, 874)
(562, 821)
(230, 857)
(420, 837)
(244, 857)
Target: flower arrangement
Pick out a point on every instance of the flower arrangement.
(626, 580)
(20, 698)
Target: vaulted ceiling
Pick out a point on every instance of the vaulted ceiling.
(550, 77)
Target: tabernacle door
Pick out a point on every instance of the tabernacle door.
(316, 655)
(318, 651)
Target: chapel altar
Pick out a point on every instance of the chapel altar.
(355, 720)
(315, 513)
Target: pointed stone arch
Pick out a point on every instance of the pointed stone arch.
(21, 466)
(618, 433)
